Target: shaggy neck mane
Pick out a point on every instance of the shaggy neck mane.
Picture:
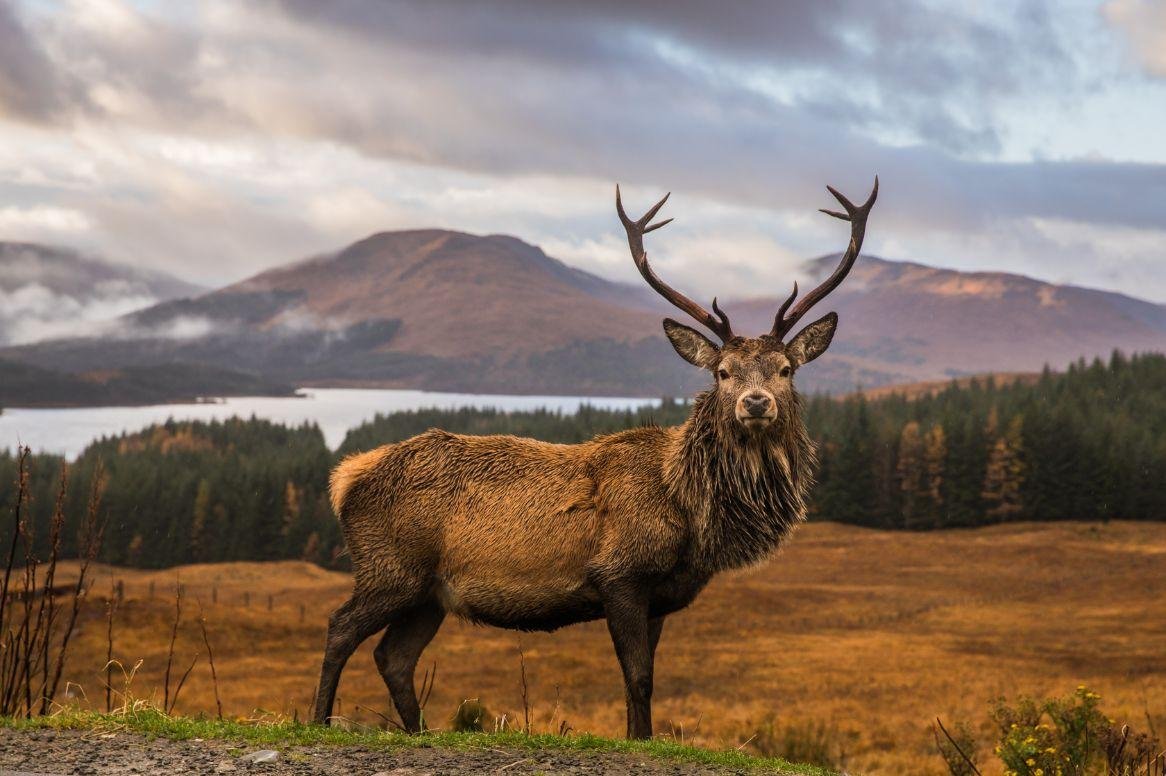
(744, 491)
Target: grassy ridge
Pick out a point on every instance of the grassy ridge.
(153, 723)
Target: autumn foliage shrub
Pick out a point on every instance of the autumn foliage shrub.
(1061, 737)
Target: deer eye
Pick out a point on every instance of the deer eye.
(785, 371)
(723, 374)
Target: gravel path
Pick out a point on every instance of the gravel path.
(86, 753)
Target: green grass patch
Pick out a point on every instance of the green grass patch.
(286, 734)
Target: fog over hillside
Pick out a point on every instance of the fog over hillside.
(48, 292)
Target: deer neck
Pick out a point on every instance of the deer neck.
(742, 492)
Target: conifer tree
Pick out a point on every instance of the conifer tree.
(910, 474)
(199, 520)
(1005, 474)
(934, 464)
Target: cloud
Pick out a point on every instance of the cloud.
(1143, 23)
(224, 138)
(34, 312)
(40, 219)
(28, 84)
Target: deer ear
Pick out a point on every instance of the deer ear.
(693, 347)
(812, 341)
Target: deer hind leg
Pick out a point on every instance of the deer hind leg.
(397, 655)
(354, 621)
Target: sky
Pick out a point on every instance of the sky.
(214, 139)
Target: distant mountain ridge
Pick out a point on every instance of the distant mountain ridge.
(444, 310)
(47, 291)
(926, 323)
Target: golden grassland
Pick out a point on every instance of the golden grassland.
(871, 634)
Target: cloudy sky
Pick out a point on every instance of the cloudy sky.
(213, 139)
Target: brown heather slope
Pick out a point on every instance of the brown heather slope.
(459, 295)
(870, 633)
(905, 322)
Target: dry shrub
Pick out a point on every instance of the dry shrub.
(35, 627)
(804, 741)
(1058, 737)
(470, 717)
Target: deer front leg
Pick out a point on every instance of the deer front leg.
(634, 639)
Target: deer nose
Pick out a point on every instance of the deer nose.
(756, 404)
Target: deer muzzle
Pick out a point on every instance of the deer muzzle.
(756, 409)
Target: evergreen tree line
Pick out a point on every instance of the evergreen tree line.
(1087, 444)
(192, 492)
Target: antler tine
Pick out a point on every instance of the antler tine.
(856, 215)
(636, 230)
(784, 306)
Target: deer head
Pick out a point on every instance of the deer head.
(754, 375)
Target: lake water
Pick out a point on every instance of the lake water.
(335, 410)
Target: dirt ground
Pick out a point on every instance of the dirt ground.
(849, 643)
(49, 752)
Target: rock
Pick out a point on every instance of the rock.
(262, 756)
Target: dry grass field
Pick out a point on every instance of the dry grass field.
(862, 636)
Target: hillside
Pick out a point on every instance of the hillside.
(428, 308)
(50, 292)
(455, 295)
(444, 310)
(904, 322)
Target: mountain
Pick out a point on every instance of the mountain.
(446, 310)
(453, 295)
(904, 322)
(426, 308)
(52, 292)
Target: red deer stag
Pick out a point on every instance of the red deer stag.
(628, 527)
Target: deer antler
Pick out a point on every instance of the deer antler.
(856, 215)
(636, 231)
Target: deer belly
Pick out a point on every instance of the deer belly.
(531, 575)
(542, 603)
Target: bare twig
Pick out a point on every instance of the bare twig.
(181, 682)
(961, 752)
(525, 690)
(90, 543)
(386, 719)
(21, 496)
(211, 658)
(47, 611)
(513, 764)
(28, 681)
(427, 681)
(173, 638)
(110, 605)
